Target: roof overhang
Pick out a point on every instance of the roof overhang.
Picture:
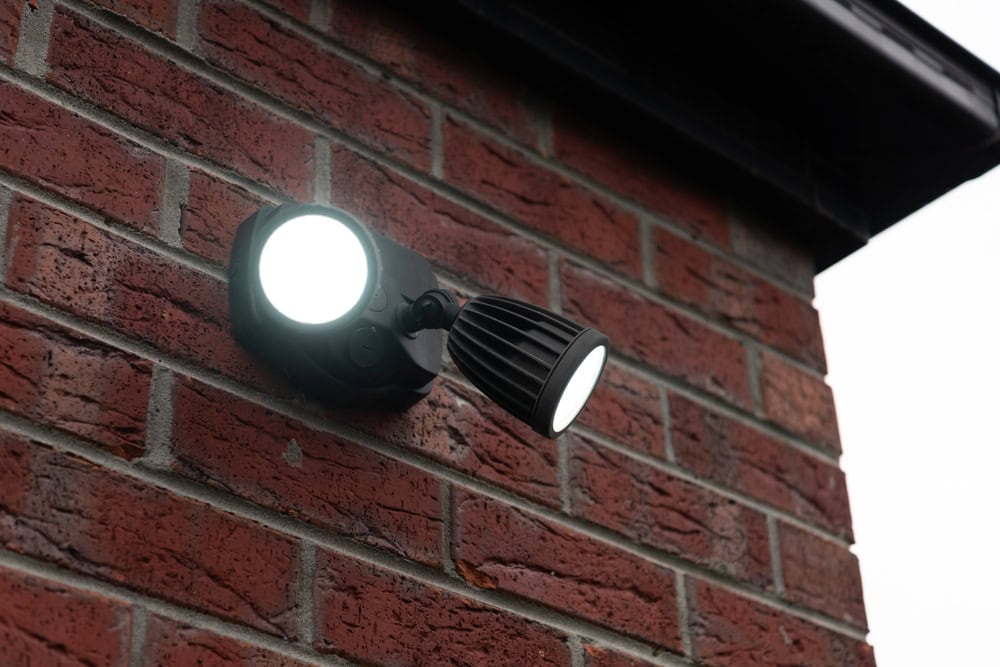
(849, 114)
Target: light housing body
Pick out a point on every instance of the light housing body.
(358, 358)
(355, 318)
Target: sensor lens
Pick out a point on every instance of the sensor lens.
(578, 389)
(314, 269)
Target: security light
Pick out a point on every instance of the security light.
(355, 318)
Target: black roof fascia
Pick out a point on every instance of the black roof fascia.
(850, 114)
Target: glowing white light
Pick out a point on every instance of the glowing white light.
(578, 389)
(313, 269)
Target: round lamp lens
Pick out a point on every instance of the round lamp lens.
(578, 389)
(313, 269)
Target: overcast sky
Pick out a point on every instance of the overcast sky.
(912, 331)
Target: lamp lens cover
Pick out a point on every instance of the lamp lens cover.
(313, 269)
(578, 389)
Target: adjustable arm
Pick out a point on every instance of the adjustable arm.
(434, 309)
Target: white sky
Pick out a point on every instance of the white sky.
(912, 331)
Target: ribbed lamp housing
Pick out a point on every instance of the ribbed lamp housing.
(509, 350)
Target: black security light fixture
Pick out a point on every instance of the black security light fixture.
(355, 318)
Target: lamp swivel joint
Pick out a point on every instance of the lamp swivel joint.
(434, 309)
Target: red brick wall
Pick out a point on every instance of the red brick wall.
(165, 499)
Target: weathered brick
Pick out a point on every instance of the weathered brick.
(540, 198)
(462, 242)
(72, 157)
(62, 509)
(380, 617)
(170, 642)
(799, 402)
(498, 546)
(463, 429)
(600, 153)
(10, 21)
(156, 15)
(651, 332)
(787, 323)
(747, 460)
(628, 409)
(731, 631)
(62, 379)
(460, 76)
(821, 575)
(291, 67)
(103, 67)
(598, 656)
(44, 623)
(213, 211)
(67, 263)
(653, 507)
(719, 288)
(280, 463)
(773, 252)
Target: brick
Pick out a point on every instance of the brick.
(731, 631)
(74, 158)
(103, 67)
(213, 211)
(10, 21)
(459, 427)
(751, 462)
(628, 409)
(598, 656)
(513, 551)
(61, 379)
(799, 402)
(170, 642)
(821, 575)
(279, 463)
(380, 617)
(653, 507)
(787, 323)
(598, 151)
(459, 75)
(657, 335)
(541, 199)
(460, 241)
(65, 510)
(69, 264)
(155, 15)
(770, 250)
(44, 623)
(289, 66)
(734, 296)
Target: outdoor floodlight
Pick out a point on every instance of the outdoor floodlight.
(355, 318)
